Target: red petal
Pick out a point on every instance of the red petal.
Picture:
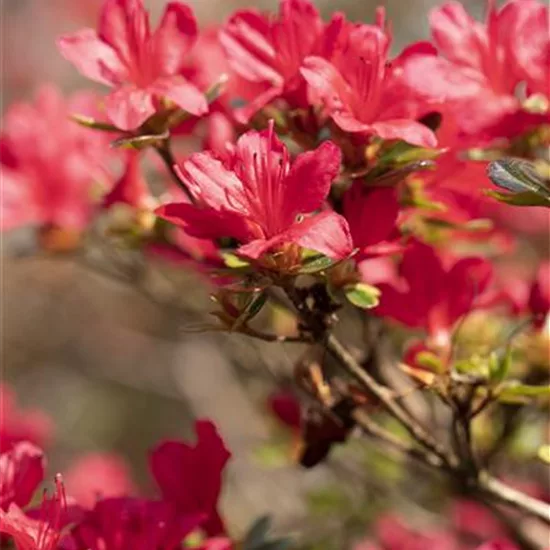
(327, 233)
(190, 476)
(308, 182)
(131, 188)
(206, 223)
(21, 472)
(92, 57)
(408, 130)
(129, 107)
(246, 40)
(124, 25)
(182, 93)
(174, 37)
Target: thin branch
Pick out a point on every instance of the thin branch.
(269, 337)
(347, 360)
(505, 494)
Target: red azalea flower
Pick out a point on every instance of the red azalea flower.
(501, 544)
(44, 533)
(539, 296)
(270, 51)
(363, 92)
(48, 163)
(190, 477)
(260, 199)
(131, 188)
(98, 476)
(372, 218)
(142, 66)
(286, 407)
(21, 424)
(132, 523)
(481, 64)
(431, 295)
(21, 471)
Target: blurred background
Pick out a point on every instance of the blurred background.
(116, 370)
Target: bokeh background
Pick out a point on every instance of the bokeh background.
(117, 370)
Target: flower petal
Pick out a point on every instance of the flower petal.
(308, 182)
(92, 57)
(174, 37)
(182, 93)
(129, 107)
(245, 39)
(408, 130)
(124, 25)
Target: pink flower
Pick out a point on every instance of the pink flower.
(48, 163)
(481, 64)
(98, 476)
(372, 218)
(432, 295)
(190, 477)
(43, 533)
(363, 92)
(262, 199)
(270, 51)
(143, 67)
(21, 424)
(501, 544)
(21, 471)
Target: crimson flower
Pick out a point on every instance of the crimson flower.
(286, 407)
(270, 51)
(49, 164)
(190, 477)
(260, 198)
(432, 295)
(372, 218)
(136, 523)
(363, 92)
(43, 533)
(17, 424)
(143, 67)
(481, 64)
(21, 471)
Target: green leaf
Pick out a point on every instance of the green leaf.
(141, 141)
(431, 361)
(89, 122)
(233, 261)
(544, 453)
(516, 392)
(499, 367)
(362, 295)
(524, 180)
(314, 263)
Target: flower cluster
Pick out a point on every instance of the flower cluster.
(330, 175)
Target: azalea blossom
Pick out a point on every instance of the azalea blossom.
(49, 165)
(262, 199)
(21, 471)
(363, 92)
(481, 64)
(143, 67)
(190, 477)
(269, 51)
(432, 295)
(44, 532)
(539, 295)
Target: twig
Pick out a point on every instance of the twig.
(505, 494)
(385, 396)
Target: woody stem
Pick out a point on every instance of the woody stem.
(165, 152)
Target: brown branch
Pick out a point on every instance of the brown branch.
(165, 153)
(496, 490)
(385, 396)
